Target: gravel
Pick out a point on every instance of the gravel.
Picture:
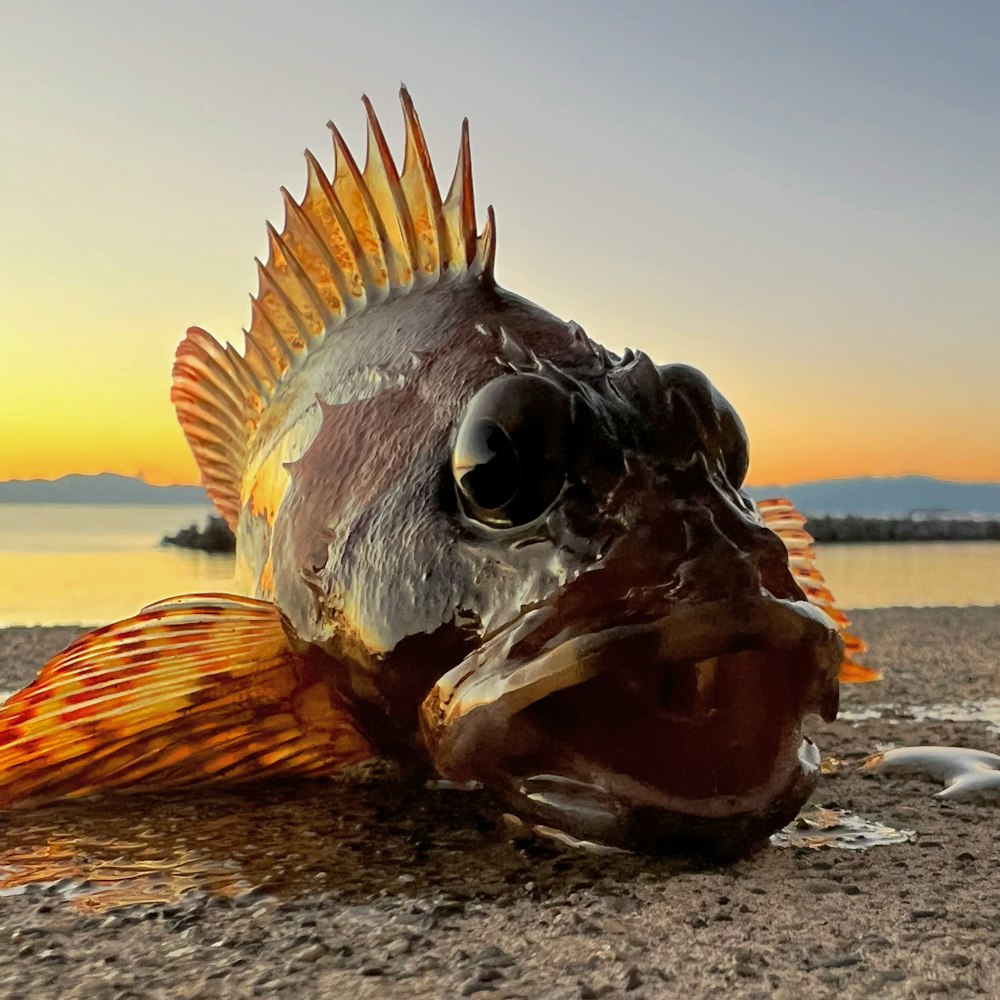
(374, 887)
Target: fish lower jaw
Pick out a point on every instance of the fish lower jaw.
(615, 810)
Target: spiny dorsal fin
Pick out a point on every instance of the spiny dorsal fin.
(782, 517)
(351, 242)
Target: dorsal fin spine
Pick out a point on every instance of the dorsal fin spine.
(420, 190)
(264, 319)
(486, 244)
(293, 211)
(285, 313)
(259, 361)
(306, 284)
(349, 181)
(382, 179)
(459, 208)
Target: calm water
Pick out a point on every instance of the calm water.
(79, 564)
(69, 564)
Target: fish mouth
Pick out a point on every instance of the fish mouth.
(682, 729)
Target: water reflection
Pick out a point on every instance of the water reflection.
(97, 587)
(357, 838)
(73, 563)
(276, 838)
(916, 574)
(986, 712)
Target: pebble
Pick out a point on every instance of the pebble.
(476, 985)
(398, 947)
(311, 952)
(494, 957)
(840, 961)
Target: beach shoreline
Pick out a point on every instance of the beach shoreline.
(379, 889)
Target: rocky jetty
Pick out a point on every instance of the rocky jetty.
(902, 529)
(214, 537)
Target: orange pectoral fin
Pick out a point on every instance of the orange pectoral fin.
(787, 523)
(193, 689)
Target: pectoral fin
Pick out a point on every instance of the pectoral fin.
(787, 523)
(207, 687)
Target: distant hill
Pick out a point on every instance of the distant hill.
(867, 496)
(100, 489)
(896, 496)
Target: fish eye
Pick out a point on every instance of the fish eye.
(509, 458)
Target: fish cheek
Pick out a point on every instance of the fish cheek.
(361, 451)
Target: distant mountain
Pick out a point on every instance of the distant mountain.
(871, 496)
(895, 496)
(100, 489)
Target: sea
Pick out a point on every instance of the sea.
(79, 564)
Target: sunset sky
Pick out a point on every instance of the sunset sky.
(800, 198)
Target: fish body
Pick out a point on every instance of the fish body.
(473, 539)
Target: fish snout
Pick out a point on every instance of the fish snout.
(698, 419)
(675, 414)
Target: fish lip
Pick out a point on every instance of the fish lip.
(467, 715)
(687, 633)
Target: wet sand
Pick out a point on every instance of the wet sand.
(376, 888)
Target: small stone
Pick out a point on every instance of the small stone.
(891, 976)
(311, 952)
(494, 958)
(273, 985)
(371, 968)
(819, 888)
(476, 985)
(840, 961)
(398, 946)
(633, 979)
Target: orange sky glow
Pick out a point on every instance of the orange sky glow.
(808, 218)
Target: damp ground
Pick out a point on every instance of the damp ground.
(377, 888)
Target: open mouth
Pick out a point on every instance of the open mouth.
(646, 730)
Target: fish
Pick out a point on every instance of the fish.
(469, 538)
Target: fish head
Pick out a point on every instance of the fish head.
(527, 559)
(644, 682)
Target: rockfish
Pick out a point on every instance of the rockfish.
(476, 541)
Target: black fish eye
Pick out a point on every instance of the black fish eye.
(509, 459)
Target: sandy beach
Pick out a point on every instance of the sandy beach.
(372, 887)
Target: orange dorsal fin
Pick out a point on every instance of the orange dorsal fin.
(193, 689)
(781, 516)
(353, 240)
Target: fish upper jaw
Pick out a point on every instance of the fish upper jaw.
(684, 725)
